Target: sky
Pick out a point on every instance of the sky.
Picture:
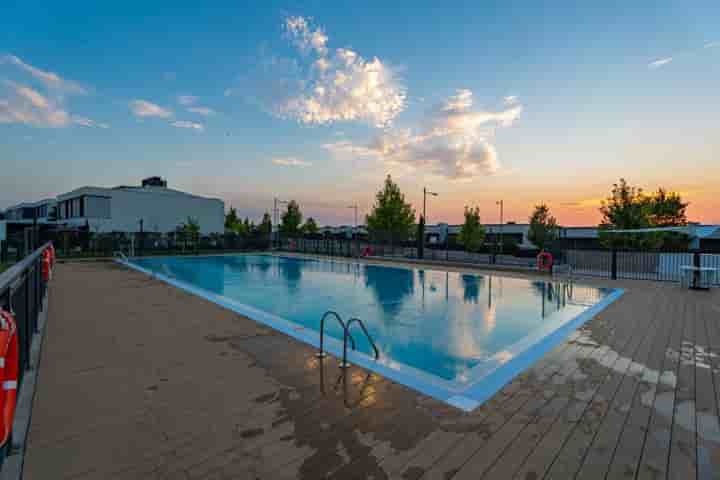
(523, 102)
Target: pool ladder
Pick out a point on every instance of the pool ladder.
(346, 336)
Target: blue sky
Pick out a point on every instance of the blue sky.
(477, 100)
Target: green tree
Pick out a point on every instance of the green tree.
(391, 217)
(310, 227)
(629, 207)
(472, 233)
(291, 220)
(265, 226)
(231, 220)
(543, 227)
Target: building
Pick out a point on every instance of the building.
(151, 207)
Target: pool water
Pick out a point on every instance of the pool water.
(440, 332)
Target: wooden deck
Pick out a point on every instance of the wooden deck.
(141, 380)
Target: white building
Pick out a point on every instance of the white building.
(123, 208)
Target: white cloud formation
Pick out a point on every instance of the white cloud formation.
(87, 122)
(290, 162)
(454, 140)
(187, 99)
(510, 100)
(36, 97)
(204, 111)
(143, 108)
(712, 45)
(49, 79)
(660, 62)
(324, 86)
(186, 124)
(304, 36)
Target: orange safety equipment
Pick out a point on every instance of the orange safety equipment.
(9, 368)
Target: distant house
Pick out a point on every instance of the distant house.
(151, 206)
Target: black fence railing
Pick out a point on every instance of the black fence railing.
(22, 293)
(640, 265)
(406, 250)
(77, 244)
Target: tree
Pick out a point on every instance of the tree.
(543, 227)
(265, 227)
(291, 219)
(231, 220)
(629, 207)
(472, 233)
(310, 227)
(391, 215)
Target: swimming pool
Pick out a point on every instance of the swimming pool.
(458, 337)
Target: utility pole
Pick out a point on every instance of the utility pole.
(500, 202)
(355, 225)
(276, 220)
(426, 192)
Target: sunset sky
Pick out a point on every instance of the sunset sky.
(318, 101)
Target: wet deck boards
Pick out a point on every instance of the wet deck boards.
(141, 380)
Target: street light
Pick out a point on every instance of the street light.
(276, 217)
(500, 202)
(354, 230)
(426, 192)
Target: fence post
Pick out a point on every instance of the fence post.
(613, 264)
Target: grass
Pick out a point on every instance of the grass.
(4, 266)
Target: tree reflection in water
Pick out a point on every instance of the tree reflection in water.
(471, 288)
(390, 286)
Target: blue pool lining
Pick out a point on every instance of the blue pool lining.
(484, 380)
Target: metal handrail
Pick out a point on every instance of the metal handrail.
(346, 335)
(362, 325)
(120, 254)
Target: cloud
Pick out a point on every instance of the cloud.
(661, 62)
(87, 122)
(191, 125)
(36, 97)
(325, 86)
(204, 111)
(187, 99)
(143, 108)
(453, 141)
(49, 79)
(290, 162)
(712, 45)
(510, 100)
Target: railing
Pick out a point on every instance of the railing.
(638, 265)
(346, 336)
(22, 293)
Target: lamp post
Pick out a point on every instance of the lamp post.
(500, 202)
(355, 224)
(426, 192)
(276, 219)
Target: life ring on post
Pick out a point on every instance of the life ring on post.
(544, 261)
(367, 251)
(9, 369)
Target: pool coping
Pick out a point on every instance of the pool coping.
(486, 378)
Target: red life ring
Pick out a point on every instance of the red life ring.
(51, 249)
(367, 252)
(46, 268)
(544, 261)
(9, 369)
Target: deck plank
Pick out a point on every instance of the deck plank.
(683, 452)
(628, 450)
(599, 454)
(571, 454)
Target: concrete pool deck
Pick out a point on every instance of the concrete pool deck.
(141, 380)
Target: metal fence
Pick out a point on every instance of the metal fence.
(638, 265)
(355, 248)
(22, 292)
